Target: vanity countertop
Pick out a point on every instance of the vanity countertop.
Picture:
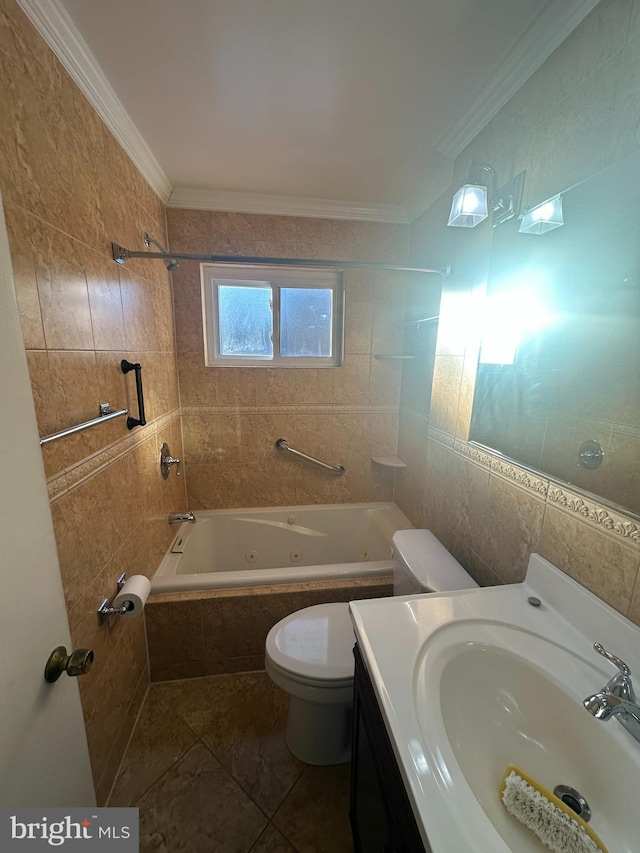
(406, 643)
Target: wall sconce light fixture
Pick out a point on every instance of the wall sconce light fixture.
(471, 202)
(469, 207)
(543, 217)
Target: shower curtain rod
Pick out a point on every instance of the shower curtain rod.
(120, 254)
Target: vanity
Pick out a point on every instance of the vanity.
(452, 688)
(381, 815)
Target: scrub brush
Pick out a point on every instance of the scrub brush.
(556, 825)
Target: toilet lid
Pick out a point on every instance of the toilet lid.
(315, 642)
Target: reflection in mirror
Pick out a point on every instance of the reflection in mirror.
(559, 368)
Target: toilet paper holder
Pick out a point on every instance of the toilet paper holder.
(106, 610)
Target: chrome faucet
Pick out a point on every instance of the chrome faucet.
(617, 698)
(178, 517)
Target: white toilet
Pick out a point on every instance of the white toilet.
(309, 654)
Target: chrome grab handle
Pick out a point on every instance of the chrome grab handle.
(283, 444)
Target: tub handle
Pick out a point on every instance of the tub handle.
(283, 444)
(167, 460)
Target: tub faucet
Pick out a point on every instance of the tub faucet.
(617, 698)
(178, 517)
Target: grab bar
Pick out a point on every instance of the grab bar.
(106, 414)
(126, 366)
(283, 444)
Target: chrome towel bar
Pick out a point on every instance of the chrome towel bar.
(283, 444)
(106, 414)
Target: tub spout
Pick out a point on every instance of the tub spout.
(178, 517)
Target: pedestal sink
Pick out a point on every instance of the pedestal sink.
(473, 681)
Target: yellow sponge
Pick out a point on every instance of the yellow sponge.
(556, 825)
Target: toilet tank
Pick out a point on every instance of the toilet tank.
(425, 565)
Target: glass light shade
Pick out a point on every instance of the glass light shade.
(542, 218)
(469, 206)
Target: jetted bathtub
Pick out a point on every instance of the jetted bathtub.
(250, 547)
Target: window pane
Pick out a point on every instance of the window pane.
(246, 322)
(305, 321)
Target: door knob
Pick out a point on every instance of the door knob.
(76, 663)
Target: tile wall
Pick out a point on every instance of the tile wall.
(233, 416)
(68, 191)
(578, 113)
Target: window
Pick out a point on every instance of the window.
(265, 317)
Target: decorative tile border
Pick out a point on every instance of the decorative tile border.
(290, 410)
(441, 437)
(626, 429)
(473, 453)
(69, 479)
(57, 486)
(414, 415)
(77, 474)
(607, 520)
(599, 425)
(601, 516)
(520, 476)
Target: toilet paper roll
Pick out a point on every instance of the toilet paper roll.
(133, 596)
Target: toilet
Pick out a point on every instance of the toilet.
(309, 654)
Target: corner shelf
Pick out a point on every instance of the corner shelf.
(381, 357)
(418, 323)
(389, 461)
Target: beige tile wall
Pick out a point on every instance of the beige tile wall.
(68, 191)
(578, 113)
(233, 416)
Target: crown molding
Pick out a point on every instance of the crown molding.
(55, 26)
(431, 191)
(281, 205)
(553, 25)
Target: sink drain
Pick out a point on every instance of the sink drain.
(574, 799)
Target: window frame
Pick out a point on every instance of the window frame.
(254, 275)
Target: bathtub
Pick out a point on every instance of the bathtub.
(252, 547)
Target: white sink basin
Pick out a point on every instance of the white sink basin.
(472, 681)
(489, 695)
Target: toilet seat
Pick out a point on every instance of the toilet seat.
(314, 645)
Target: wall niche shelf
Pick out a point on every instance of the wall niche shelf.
(418, 323)
(381, 357)
(389, 461)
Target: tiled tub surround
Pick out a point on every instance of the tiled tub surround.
(68, 191)
(233, 416)
(575, 115)
(239, 548)
(192, 634)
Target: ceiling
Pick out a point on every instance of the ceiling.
(351, 100)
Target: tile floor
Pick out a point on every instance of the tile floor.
(209, 770)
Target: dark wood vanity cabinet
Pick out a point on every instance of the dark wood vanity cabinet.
(381, 816)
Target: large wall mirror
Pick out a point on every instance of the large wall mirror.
(558, 382)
